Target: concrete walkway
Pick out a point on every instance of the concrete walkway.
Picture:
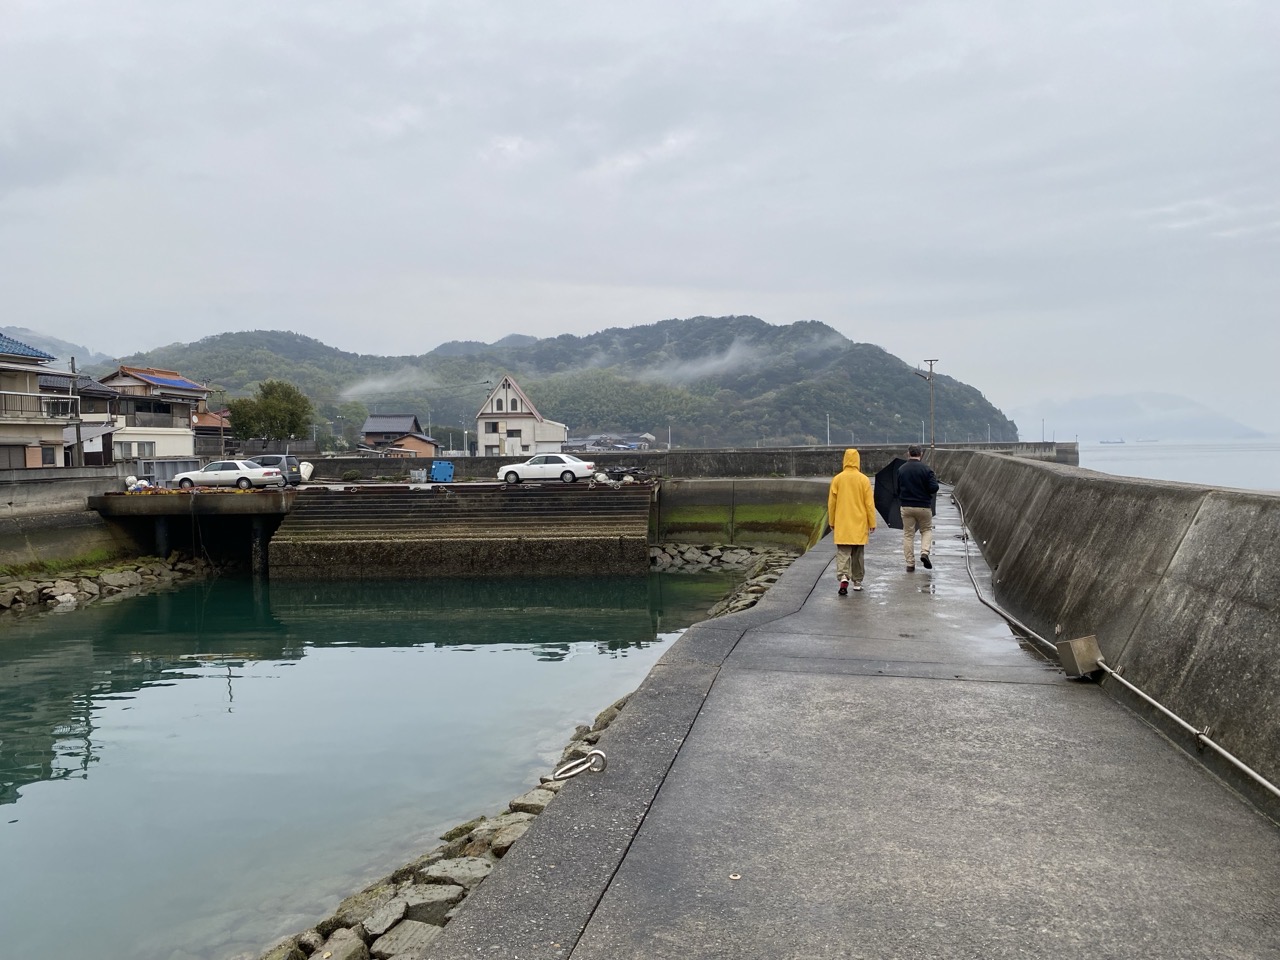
(884, 775)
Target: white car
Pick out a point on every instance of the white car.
(548, 466)
(231, 473)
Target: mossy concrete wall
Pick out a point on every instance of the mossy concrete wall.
(1180, 583)
(28, 540)
(790, 513)
(464, 557)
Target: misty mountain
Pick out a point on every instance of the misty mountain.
(462, 348)
(710, 381)
(61, 349)
(1131, 416)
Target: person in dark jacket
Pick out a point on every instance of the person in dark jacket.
(917, 486)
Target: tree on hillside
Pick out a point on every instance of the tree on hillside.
(277, 411)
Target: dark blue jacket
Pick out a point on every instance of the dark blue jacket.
(916, 484)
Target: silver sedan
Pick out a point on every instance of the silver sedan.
(231, 473)
(548, 466)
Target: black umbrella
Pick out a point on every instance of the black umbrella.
(886, 493)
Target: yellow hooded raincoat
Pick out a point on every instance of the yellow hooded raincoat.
(851, 510)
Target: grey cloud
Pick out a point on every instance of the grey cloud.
(1049, 196)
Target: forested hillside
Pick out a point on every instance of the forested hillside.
(710, 381)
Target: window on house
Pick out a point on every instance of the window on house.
(46, 456)
(515, 405)
(490, 426)
(513, 433)
(59, 408)
(123, 450)
(490, 451)
(146, 448)
(497, 405)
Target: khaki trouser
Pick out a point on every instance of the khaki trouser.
(849, 561)
(913, 518)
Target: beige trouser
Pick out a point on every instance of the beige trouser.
(849, 563)
(913, 518)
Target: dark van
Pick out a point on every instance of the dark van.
(286, 463)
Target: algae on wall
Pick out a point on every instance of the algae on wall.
(34, 542)
(775, 512)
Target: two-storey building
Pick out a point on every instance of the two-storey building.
(153, 414)
(31, 421)
(509, 425)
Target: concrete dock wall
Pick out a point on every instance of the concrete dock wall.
(789, 512)
(748, 462)
(1180, 583)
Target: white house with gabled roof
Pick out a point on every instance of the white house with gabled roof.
(509, 425)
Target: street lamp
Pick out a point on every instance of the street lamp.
(928, 376)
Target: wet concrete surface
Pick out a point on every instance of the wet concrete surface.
(889, 774)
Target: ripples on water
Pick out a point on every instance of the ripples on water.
(190, 774)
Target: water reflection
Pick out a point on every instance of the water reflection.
(196, 773)
(52, 674)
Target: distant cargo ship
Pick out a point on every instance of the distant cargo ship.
(1121, 440)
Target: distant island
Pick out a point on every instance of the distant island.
(1110, 418)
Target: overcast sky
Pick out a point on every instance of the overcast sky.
(1054, 199)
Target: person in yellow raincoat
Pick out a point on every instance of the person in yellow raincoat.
(851, 512)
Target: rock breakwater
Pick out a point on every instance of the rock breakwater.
(402, 913)
(762, 566)
(73, 588)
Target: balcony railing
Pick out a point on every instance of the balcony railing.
(162, 420)
(38, 406)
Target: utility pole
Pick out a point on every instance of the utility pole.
(929, 376)
(828, 429)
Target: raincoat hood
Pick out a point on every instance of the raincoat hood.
(852, 460)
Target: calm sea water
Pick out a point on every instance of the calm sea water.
(1246, 464)
(189, 775)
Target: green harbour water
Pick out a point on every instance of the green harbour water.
(189, 774)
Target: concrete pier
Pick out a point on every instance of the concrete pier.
(884, 775)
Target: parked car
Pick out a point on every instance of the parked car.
(548, 466)
(231, 473)
(286, 463)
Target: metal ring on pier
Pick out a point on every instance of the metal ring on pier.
(595, 761)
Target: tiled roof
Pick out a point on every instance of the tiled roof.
(84, 385)
(16, 348)
(163, 378)
(88, 431)
(416, 436)
(398, 423)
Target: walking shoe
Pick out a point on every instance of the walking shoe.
(844, 587)
(928, 564)
(911, 568)
(857, 584)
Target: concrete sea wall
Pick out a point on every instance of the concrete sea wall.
(1180, 583)
(43, 515)
(748, 462)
